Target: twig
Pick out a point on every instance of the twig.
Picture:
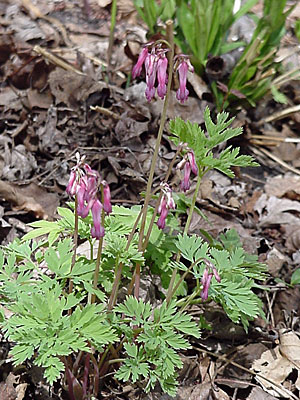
(107, 112)
(60, 62)
(280, 114)
(223, 358)
(38, 14)
(278, 160)
(263, 138)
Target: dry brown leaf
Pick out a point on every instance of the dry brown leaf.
(7, 389)
(40, 100)
(21, 391)
(290, 347)
(284, 186)
(278, 363)
(31, 198)
(19, 164)
(258, 394)
(274, 211)
(275, 260)
(273, 366)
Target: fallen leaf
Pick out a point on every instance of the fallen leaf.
(275, 366)
(258, 394)
(31, 198)
(284, 186)
(274, 211)
(290, 347)
(19, 164)
(7, 389)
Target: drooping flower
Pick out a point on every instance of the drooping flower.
(209, 271)
(205, 285)
(192, 161)
(163, 210)
(106, 198)
(185, 183)
(162, 78)
(167, 202)
(97, 230)
(151, 68)
(183, 67)
(72, 184)
(137, 69)
(189, 164)
(154, 57)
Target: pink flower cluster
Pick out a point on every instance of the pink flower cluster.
(209, 271)
(84, 183)
(190, 166)
(156, 65)
(167, 203)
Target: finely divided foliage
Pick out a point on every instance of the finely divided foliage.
(62, 311)
(203, 144)
(158, 338)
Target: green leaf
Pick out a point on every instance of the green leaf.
(295, 278)
(278, 96)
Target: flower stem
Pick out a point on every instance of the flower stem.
(169, 25)
(171, 292)
(159, 198)
(169, 29)
(98, 261)
(74, 248)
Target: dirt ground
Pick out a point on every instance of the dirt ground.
(58, 97)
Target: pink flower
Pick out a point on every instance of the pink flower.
(151, 67)
(137, 69)
(82, 211)
(167, 202)
(209, 271)
(97, 230)
(206, 285)
(106, 198)
(216, 274)
(183, 68)
(170, 201)
(182, 93)
(194, 167)
(72, 184)
(185, 183)
(163, 210)
(162, 65)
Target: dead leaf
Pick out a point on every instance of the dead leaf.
(275, 261)
(31, 198)
(258, 394)
(290, 347)
(274, 366)
(40, 100)
(284, 186)
(19, 164)
(274, 211)
(286, 305)
(103, 3)
(21, 391)
(7, 388)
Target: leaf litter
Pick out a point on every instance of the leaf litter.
(48, 106)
